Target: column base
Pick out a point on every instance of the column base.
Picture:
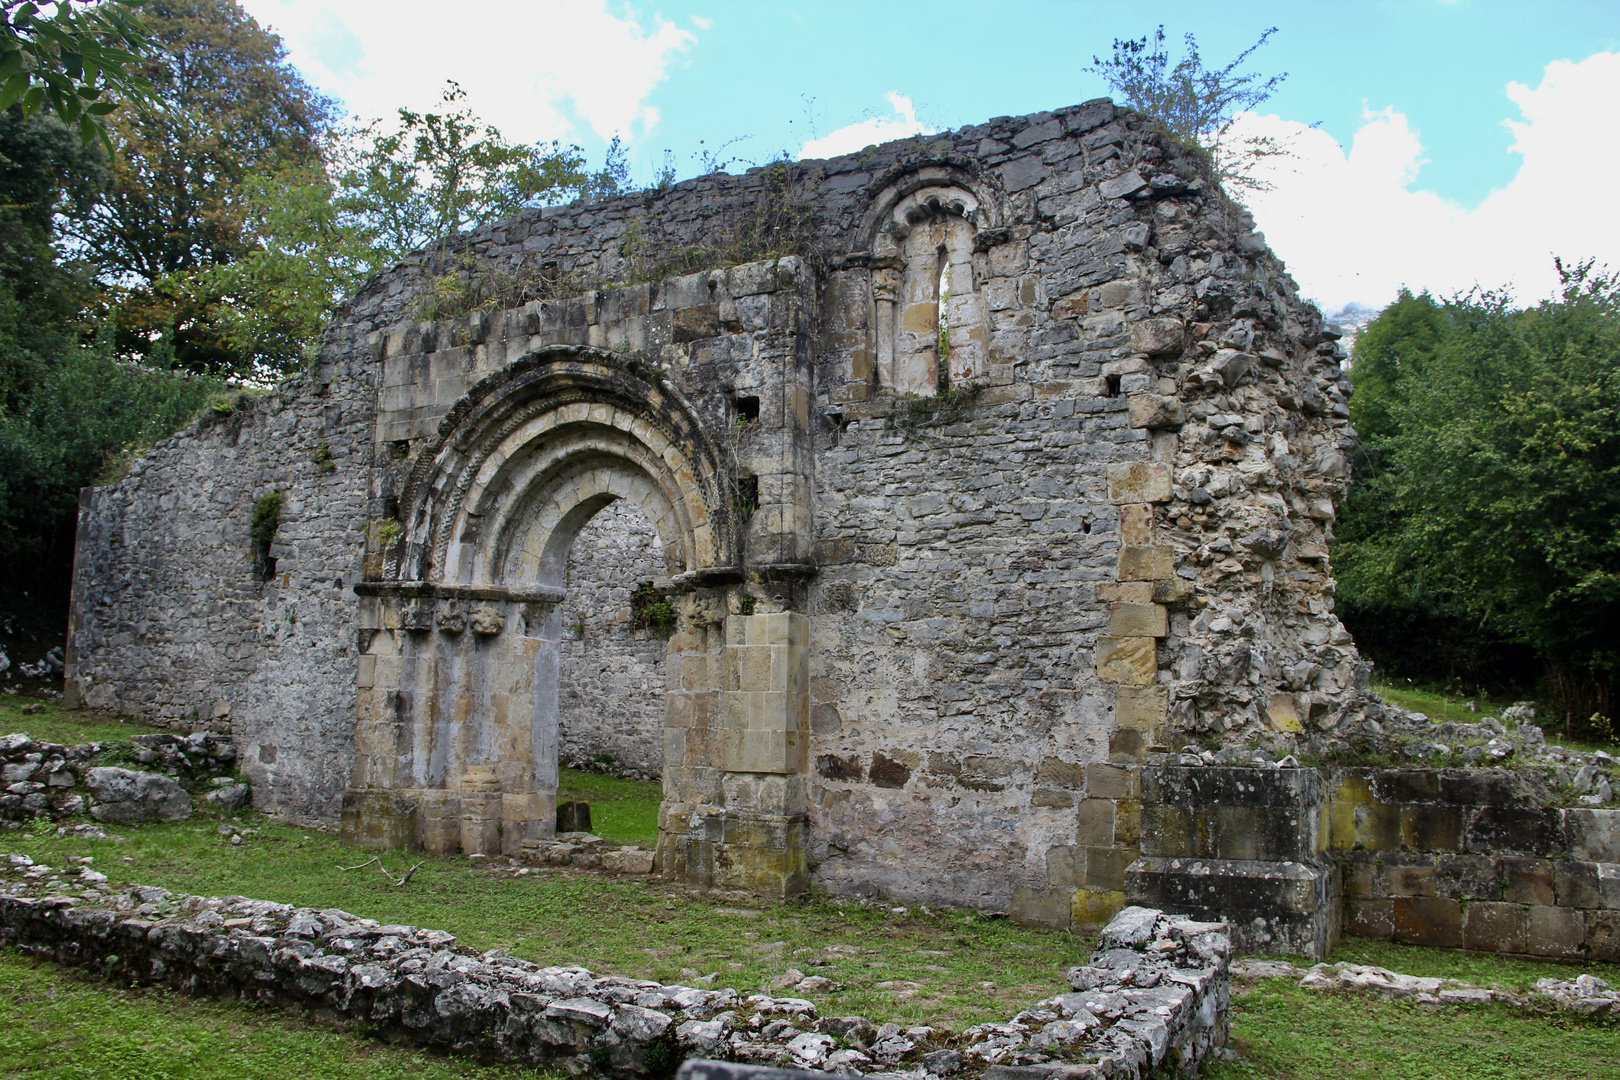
(761, 853)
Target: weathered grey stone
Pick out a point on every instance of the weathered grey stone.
(126, 795)
(842, 574)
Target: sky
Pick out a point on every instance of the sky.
(1438, 144)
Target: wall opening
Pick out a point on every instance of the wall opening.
(611, 679)
(931, 320)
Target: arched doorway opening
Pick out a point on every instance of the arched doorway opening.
(612, 665)
(459, 712)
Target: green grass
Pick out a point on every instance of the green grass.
(53, 723)
(57, 1024)
(947, 968)
(954, 968)
(1287, 1033)
(1283, 1032)
(624, 811)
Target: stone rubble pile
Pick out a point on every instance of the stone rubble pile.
(1585, 994)
(588, 851)
(1378, 727)
(1153, 998)
(166, 774)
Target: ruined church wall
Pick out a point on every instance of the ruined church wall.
(1119, 546)
(1116, 546)
(171, 622)
(611, 707)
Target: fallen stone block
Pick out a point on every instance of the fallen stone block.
(126, 795)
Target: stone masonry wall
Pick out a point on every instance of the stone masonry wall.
(1152, 1001)
(171, 622)
(1479, 859)
(612, 700)
(1106, 537)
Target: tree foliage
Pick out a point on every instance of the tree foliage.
(1489, 493)
(65, 61)
(225, 107)
(316, 232)
(207, 239)
(1196, 105)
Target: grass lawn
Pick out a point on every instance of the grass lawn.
(59, 1024)
(1286, 1033)
(913, 966)
(952, 968)
(624, 811)
(53, 723)
(956, 968)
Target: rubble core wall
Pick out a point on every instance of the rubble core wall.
(965, 594)
(611, 713)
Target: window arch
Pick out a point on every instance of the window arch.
(932, 322)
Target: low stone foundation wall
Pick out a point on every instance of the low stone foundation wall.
(1487, 859)
(1152, 1000)
(1475, 859)
(42, 779)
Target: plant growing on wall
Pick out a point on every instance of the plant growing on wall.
(1195, 105)
(650, 610)
(266, 520)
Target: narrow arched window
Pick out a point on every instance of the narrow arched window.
(932, 323)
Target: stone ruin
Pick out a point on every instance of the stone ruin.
(964, 556)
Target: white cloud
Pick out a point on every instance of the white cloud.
(864, 133)
(536, 69)
(1353, 228)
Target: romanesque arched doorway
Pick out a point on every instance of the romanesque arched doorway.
(456, 735)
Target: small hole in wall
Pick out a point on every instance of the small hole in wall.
(391, 509)
(1085, 526)
(748, 408)
(1111, 386)
(401, 448)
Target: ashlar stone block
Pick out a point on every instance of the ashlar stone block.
(1152, 563)
(1138, 620)
(1136, 524)
(1139, 482)
(1132, 660)
(1141, 708)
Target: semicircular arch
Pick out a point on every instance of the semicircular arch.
(531, 452)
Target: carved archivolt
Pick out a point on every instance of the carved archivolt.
(526, 459)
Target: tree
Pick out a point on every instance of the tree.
(66, 61)
(46, 173)
(1195, 105)
(1497, 500)
(317, 232)
(225, 107)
